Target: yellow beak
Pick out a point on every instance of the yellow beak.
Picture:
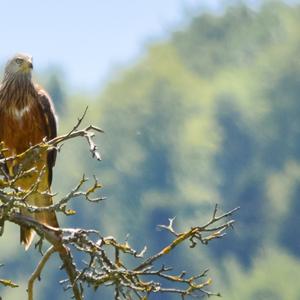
(27, 66)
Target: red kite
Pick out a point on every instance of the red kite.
(26, 118)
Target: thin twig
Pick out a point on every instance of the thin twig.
(37, 272)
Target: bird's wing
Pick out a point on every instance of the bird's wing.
(49, 116)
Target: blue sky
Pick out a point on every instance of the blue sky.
(89, 38)
(86, 38)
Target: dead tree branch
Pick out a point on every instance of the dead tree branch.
(137, 280)
(37, 272)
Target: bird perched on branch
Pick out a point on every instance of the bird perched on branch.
(26, 118)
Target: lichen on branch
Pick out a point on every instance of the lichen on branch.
(146, 274)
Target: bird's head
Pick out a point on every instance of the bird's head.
(20, 64)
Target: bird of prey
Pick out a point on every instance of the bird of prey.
(27, 117)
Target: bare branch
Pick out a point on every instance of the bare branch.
(8, 283)
(134, 278)
(37, 272)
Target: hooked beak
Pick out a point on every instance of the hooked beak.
(30, 65)
(27, 66)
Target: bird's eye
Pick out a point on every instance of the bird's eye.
(19, 61)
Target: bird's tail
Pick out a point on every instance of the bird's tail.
(45, 217)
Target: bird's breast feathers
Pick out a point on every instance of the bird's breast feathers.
(24, 125)
(19, 112)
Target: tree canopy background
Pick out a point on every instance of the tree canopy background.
(210, 115)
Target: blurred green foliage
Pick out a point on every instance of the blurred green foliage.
(210, 116)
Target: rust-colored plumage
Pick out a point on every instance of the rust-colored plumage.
(26, 118)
